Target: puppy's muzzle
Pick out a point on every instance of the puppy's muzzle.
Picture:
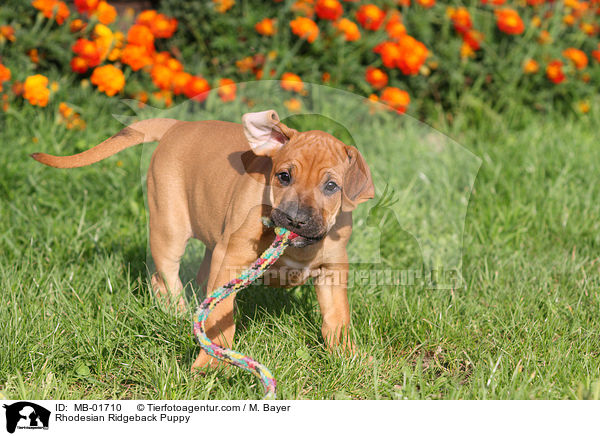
(304, 221)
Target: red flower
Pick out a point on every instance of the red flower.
(577, 57)
(509, 21)
(329, 9)
(389, 52)
(396, 98)
(554, 72)
(197, 88)
(412, 55)
(86, 6)
(79, 65)
(461, 19)
(87, 50)
(370, 17)
(305, 28)
(376, 77)
(227, 89)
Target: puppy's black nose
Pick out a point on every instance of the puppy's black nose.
(297, 221)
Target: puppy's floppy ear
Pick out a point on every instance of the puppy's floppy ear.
(265, 133)
(358, 184)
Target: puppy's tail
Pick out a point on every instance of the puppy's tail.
(137, 133)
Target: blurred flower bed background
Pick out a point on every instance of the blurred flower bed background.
(424, 57)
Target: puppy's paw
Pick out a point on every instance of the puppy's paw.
(168, 299)
(204, 362)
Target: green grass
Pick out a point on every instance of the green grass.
(78, 320)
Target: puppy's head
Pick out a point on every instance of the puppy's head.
(314, 175)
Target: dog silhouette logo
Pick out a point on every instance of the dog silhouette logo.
(26, 415)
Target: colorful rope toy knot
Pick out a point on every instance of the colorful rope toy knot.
(282, 240)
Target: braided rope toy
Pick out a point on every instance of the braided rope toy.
(257, 269)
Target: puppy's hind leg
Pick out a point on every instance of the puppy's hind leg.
(170, 231)
(168, 246)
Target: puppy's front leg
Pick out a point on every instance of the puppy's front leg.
(331, 285)
(220, 327)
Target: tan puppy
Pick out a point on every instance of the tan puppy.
(214, 180)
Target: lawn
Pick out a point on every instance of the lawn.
(78, 318)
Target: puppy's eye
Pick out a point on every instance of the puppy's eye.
(284, 178)
(330, 187)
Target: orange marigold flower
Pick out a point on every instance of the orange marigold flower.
(174, 65)
(395, 29)
(376, 77)
(162, 57)
(536, 21)
(426, 3)
(509, 21)
(544, 37)
(141, 35)
(103, 38)
(596, 53)
(583, 106)
(461, 19)
(326, 77)
(348, 28)
(87, 50)
(554, 72)
(86, 6)
(65, 110)
(305, 28)
(162, 76)
(135, 56)
(197, 88)
(265, 27)
(245, 65)
(77, 25)
(163, 26)
(396, 98)
(569, 20)
(329, 9)
(52, 9)
(589, 29)
(531, 67)
(36, 90)
(223, 6)
(146, 17)
(389, 52)
(466, 51)
(370, 17)
(141, 97)
(106, 13)
(413, 54)
(180, 80)
(79, 65)
(109, 79)
(291, 82)
(577, 57)
(4, 75)
(227, 89)
(293, 105)
(7, 32)
(535, 2)
(473, 38)
(304, 7)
